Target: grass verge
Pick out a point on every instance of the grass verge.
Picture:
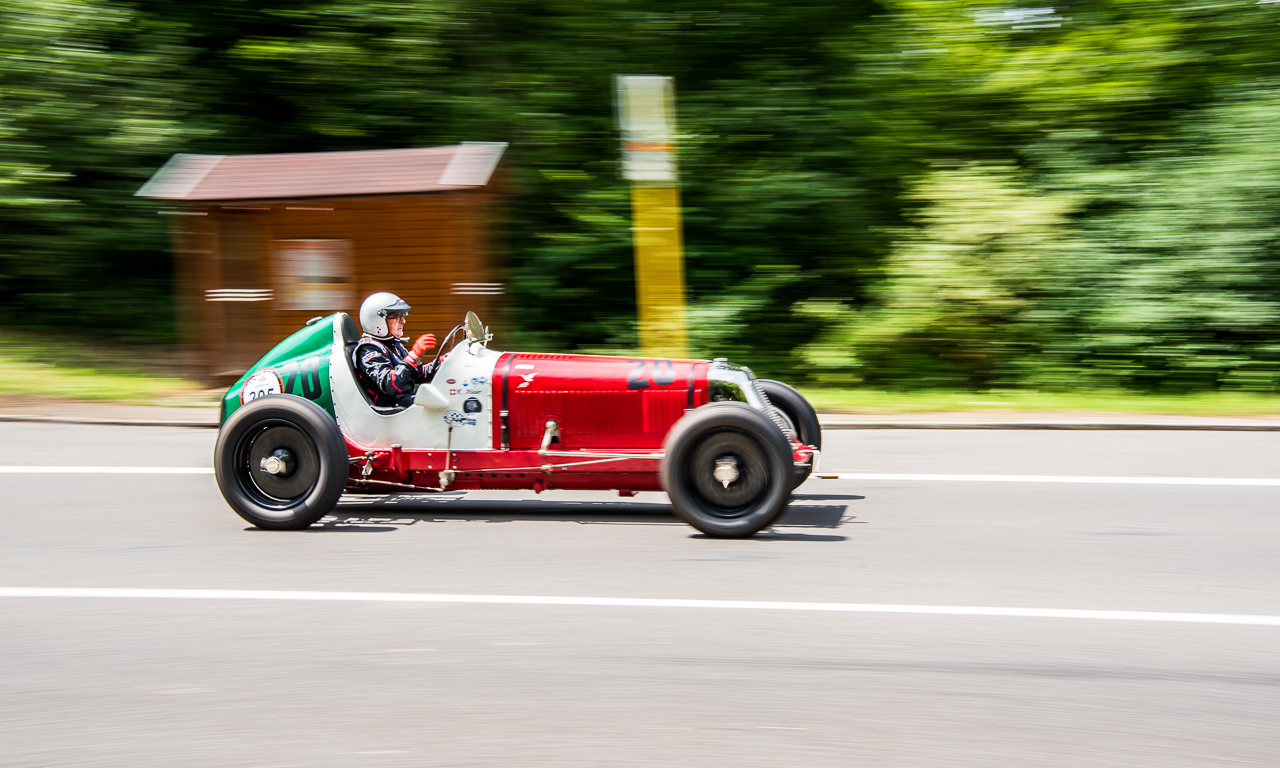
(1240, 404)
(22, 376)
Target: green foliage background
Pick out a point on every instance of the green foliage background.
(903, 193)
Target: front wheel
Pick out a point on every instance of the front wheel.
(280, 462)
(727, 469)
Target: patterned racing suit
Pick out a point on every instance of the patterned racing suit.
(386, 374)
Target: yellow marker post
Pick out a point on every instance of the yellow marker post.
(646, 115)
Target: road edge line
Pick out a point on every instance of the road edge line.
(91, 421)
(1045, 425)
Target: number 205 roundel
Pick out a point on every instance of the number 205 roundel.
(263, 383)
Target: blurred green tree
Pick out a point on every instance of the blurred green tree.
(957, 288)
(1126, 238)
(898, 193)
(89, 98)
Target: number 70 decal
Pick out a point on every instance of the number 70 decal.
(307, 374)
(664, 372)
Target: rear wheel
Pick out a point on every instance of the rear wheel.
(280, 462)
(796, 414)
(727, 470)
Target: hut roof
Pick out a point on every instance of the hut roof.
(324, 174)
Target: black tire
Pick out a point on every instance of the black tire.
(759, 454)
(797, 414)
(296, 430)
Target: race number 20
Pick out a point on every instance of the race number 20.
(663, 372)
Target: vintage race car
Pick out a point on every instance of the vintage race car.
(297, 431)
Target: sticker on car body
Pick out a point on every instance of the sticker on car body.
(458, 419)
(263, 383)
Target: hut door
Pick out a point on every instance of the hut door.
(242, 294)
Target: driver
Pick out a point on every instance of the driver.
(388, 372)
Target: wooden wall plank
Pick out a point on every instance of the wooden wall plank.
(417, 246)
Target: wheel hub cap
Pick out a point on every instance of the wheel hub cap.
(729, 473)
(280, 462)
(726, 470)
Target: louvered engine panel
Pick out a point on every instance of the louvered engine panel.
(662, 408)
(599, 402)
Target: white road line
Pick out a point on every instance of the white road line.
(1257, 481)
(638, 602)
(16, 470)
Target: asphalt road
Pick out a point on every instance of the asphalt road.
(114, 681)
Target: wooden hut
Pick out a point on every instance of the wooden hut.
(264, 242)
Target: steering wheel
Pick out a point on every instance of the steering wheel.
(440, 350)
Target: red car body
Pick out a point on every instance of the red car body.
(514, 421)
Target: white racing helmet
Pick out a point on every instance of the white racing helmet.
(374, 311)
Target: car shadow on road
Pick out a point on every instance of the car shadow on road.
(772, 535)
(380, 514)
(825, 497)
